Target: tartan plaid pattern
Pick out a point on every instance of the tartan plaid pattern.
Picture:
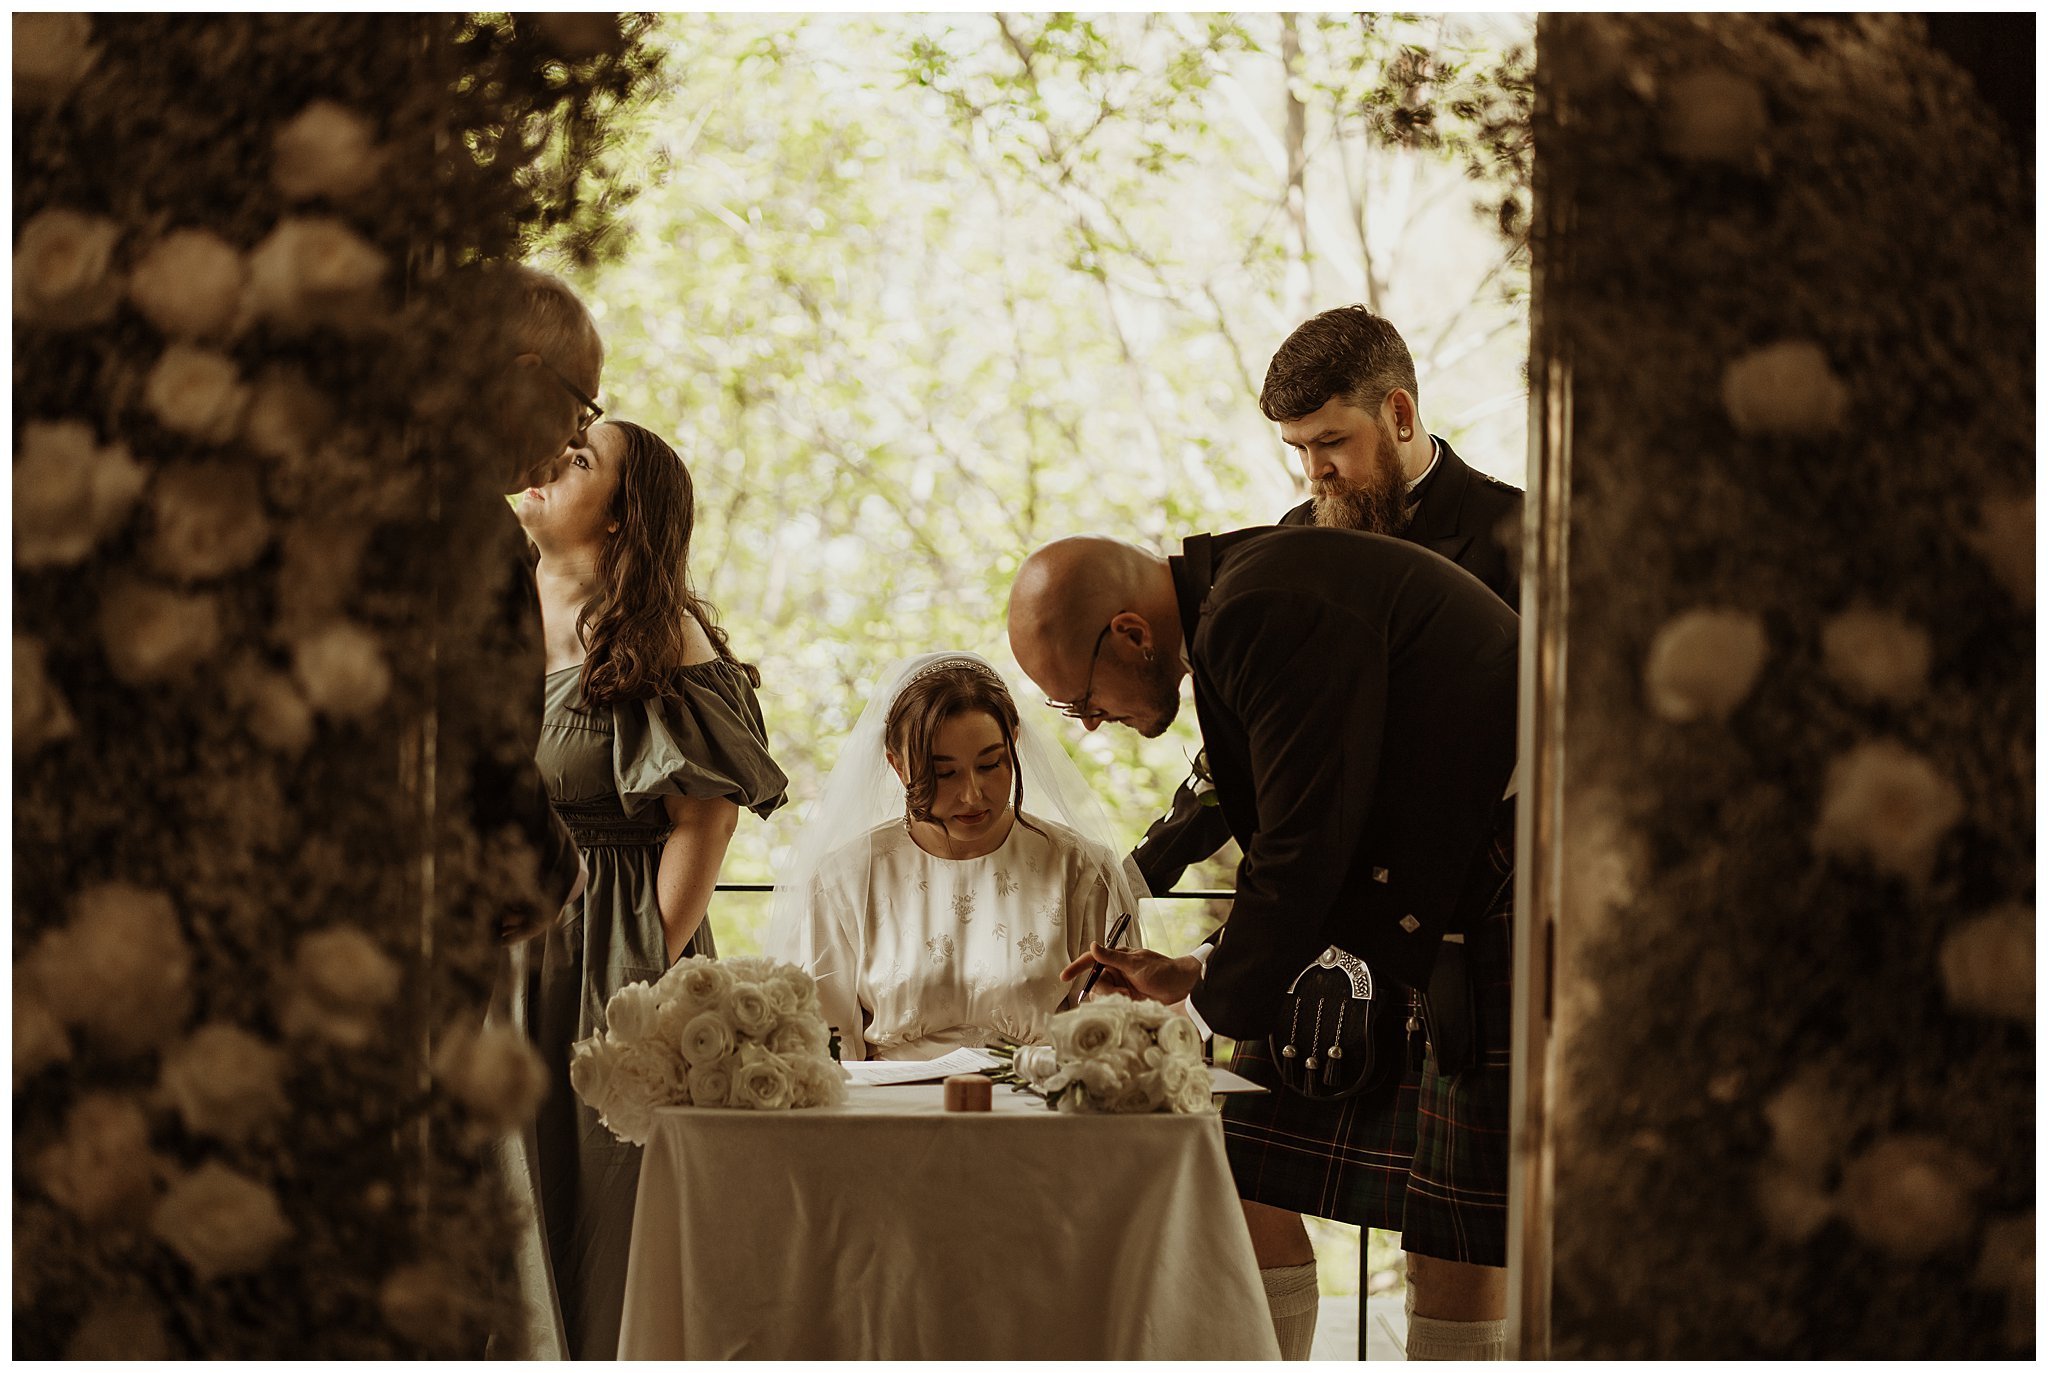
(1429, 1160)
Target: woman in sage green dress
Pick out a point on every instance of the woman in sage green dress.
(651, 745)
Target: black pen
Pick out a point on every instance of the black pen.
(1116, 932)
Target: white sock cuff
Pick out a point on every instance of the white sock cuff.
(1429, 1338)
(1290, 1291)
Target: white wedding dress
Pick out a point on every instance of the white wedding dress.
(916, 955)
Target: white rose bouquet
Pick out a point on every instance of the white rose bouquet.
(1114, 1056)
(740, 1032)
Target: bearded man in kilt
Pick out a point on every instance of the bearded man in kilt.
(1429, 1157)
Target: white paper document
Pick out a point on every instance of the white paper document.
(890, 1074)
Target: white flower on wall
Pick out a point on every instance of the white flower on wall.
(127, 1328)
(342, 671)
(153, 634)
(428, 1304)
(40, 714)
(1703, 663)
(327, 150)
(1877, 655)
(313, 273)
(2004, 538)
(225, 1082)
(190, 284)
(338, 986)
(495, 1073)
(120, 969)
(220, 1222)
(63, 270)
(1912, 1196)
(287, 415)
(1784, 388)
(69, 492)
(1887, 804)
(52, 54)
(274, 711)
(101, 1169)
(1713, 115)
(197, 392)
(39, 1038)
(209, 521)
(1987, 964)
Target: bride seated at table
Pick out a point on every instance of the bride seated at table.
(933, 909)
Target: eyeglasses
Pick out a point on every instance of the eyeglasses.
(1080, 709)
(589, 411)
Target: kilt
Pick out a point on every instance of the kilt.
(1429, 1159)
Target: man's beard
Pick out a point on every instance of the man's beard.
(1380, 507)
(1162, 693)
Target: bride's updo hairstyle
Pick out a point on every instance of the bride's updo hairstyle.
(934, 696)
(633, 624)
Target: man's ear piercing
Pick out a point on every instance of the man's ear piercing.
(1148, 655)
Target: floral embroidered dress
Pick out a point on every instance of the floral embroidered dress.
(607, 769)
(916, 955)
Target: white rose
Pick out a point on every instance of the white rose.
(121, 1328)
(1809, 1123)
(225, 1082)
(1086, 1032)
(314, 273)
(102, 1168)
(819, 1081)
(1703, 663)
(1912, 1196)
(1784, 388)
(1889, 804)
(703, 981)
(63, 270)
(1179, 1037)
(762, 1081)
(52, 54)
(710, 1085)
(1188, 1087)
(69, 492)
(40, 714)
(120, 969)
(783, 1000)
(2004, 538)
(1100, 1079)
(197, 392)
(632, 1013)
(190, 285)
(429, 1304)
(800, 984)
(220, 1222)
(209, 521)
(630, 1118)
(288, 415)
(1794, 1206)
(153, 634)
(342, 671)
(593, 1072)
(1877, 655)
(339, 985)
(751, 1013)
(644, 1077)
(797, 1036)
(707, 1040)
(1987, 965)
(581, 34)
(1713, 116)
(749, 969)
(276, 714)
(1151, 1014)
(495, 1073)
(39, 1038)
(326, 150)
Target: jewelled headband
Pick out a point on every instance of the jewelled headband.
(945, 664)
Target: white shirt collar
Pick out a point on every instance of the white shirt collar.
(1436, 451)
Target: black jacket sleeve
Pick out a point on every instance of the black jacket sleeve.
(1188, 833)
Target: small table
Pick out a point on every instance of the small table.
(890, 1229)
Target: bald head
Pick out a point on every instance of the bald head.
(1069, 590)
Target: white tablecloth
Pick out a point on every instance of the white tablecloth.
(888, 1228)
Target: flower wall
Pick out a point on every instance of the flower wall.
(1787, 263)
(255, 664)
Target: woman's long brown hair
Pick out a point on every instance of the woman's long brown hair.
(933, 697)
(633, 624)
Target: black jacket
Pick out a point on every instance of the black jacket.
(1461, 514)
(1357, 702)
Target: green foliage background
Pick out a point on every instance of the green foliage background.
(913, 294)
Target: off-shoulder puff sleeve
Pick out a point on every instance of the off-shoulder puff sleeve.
(709, 742)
